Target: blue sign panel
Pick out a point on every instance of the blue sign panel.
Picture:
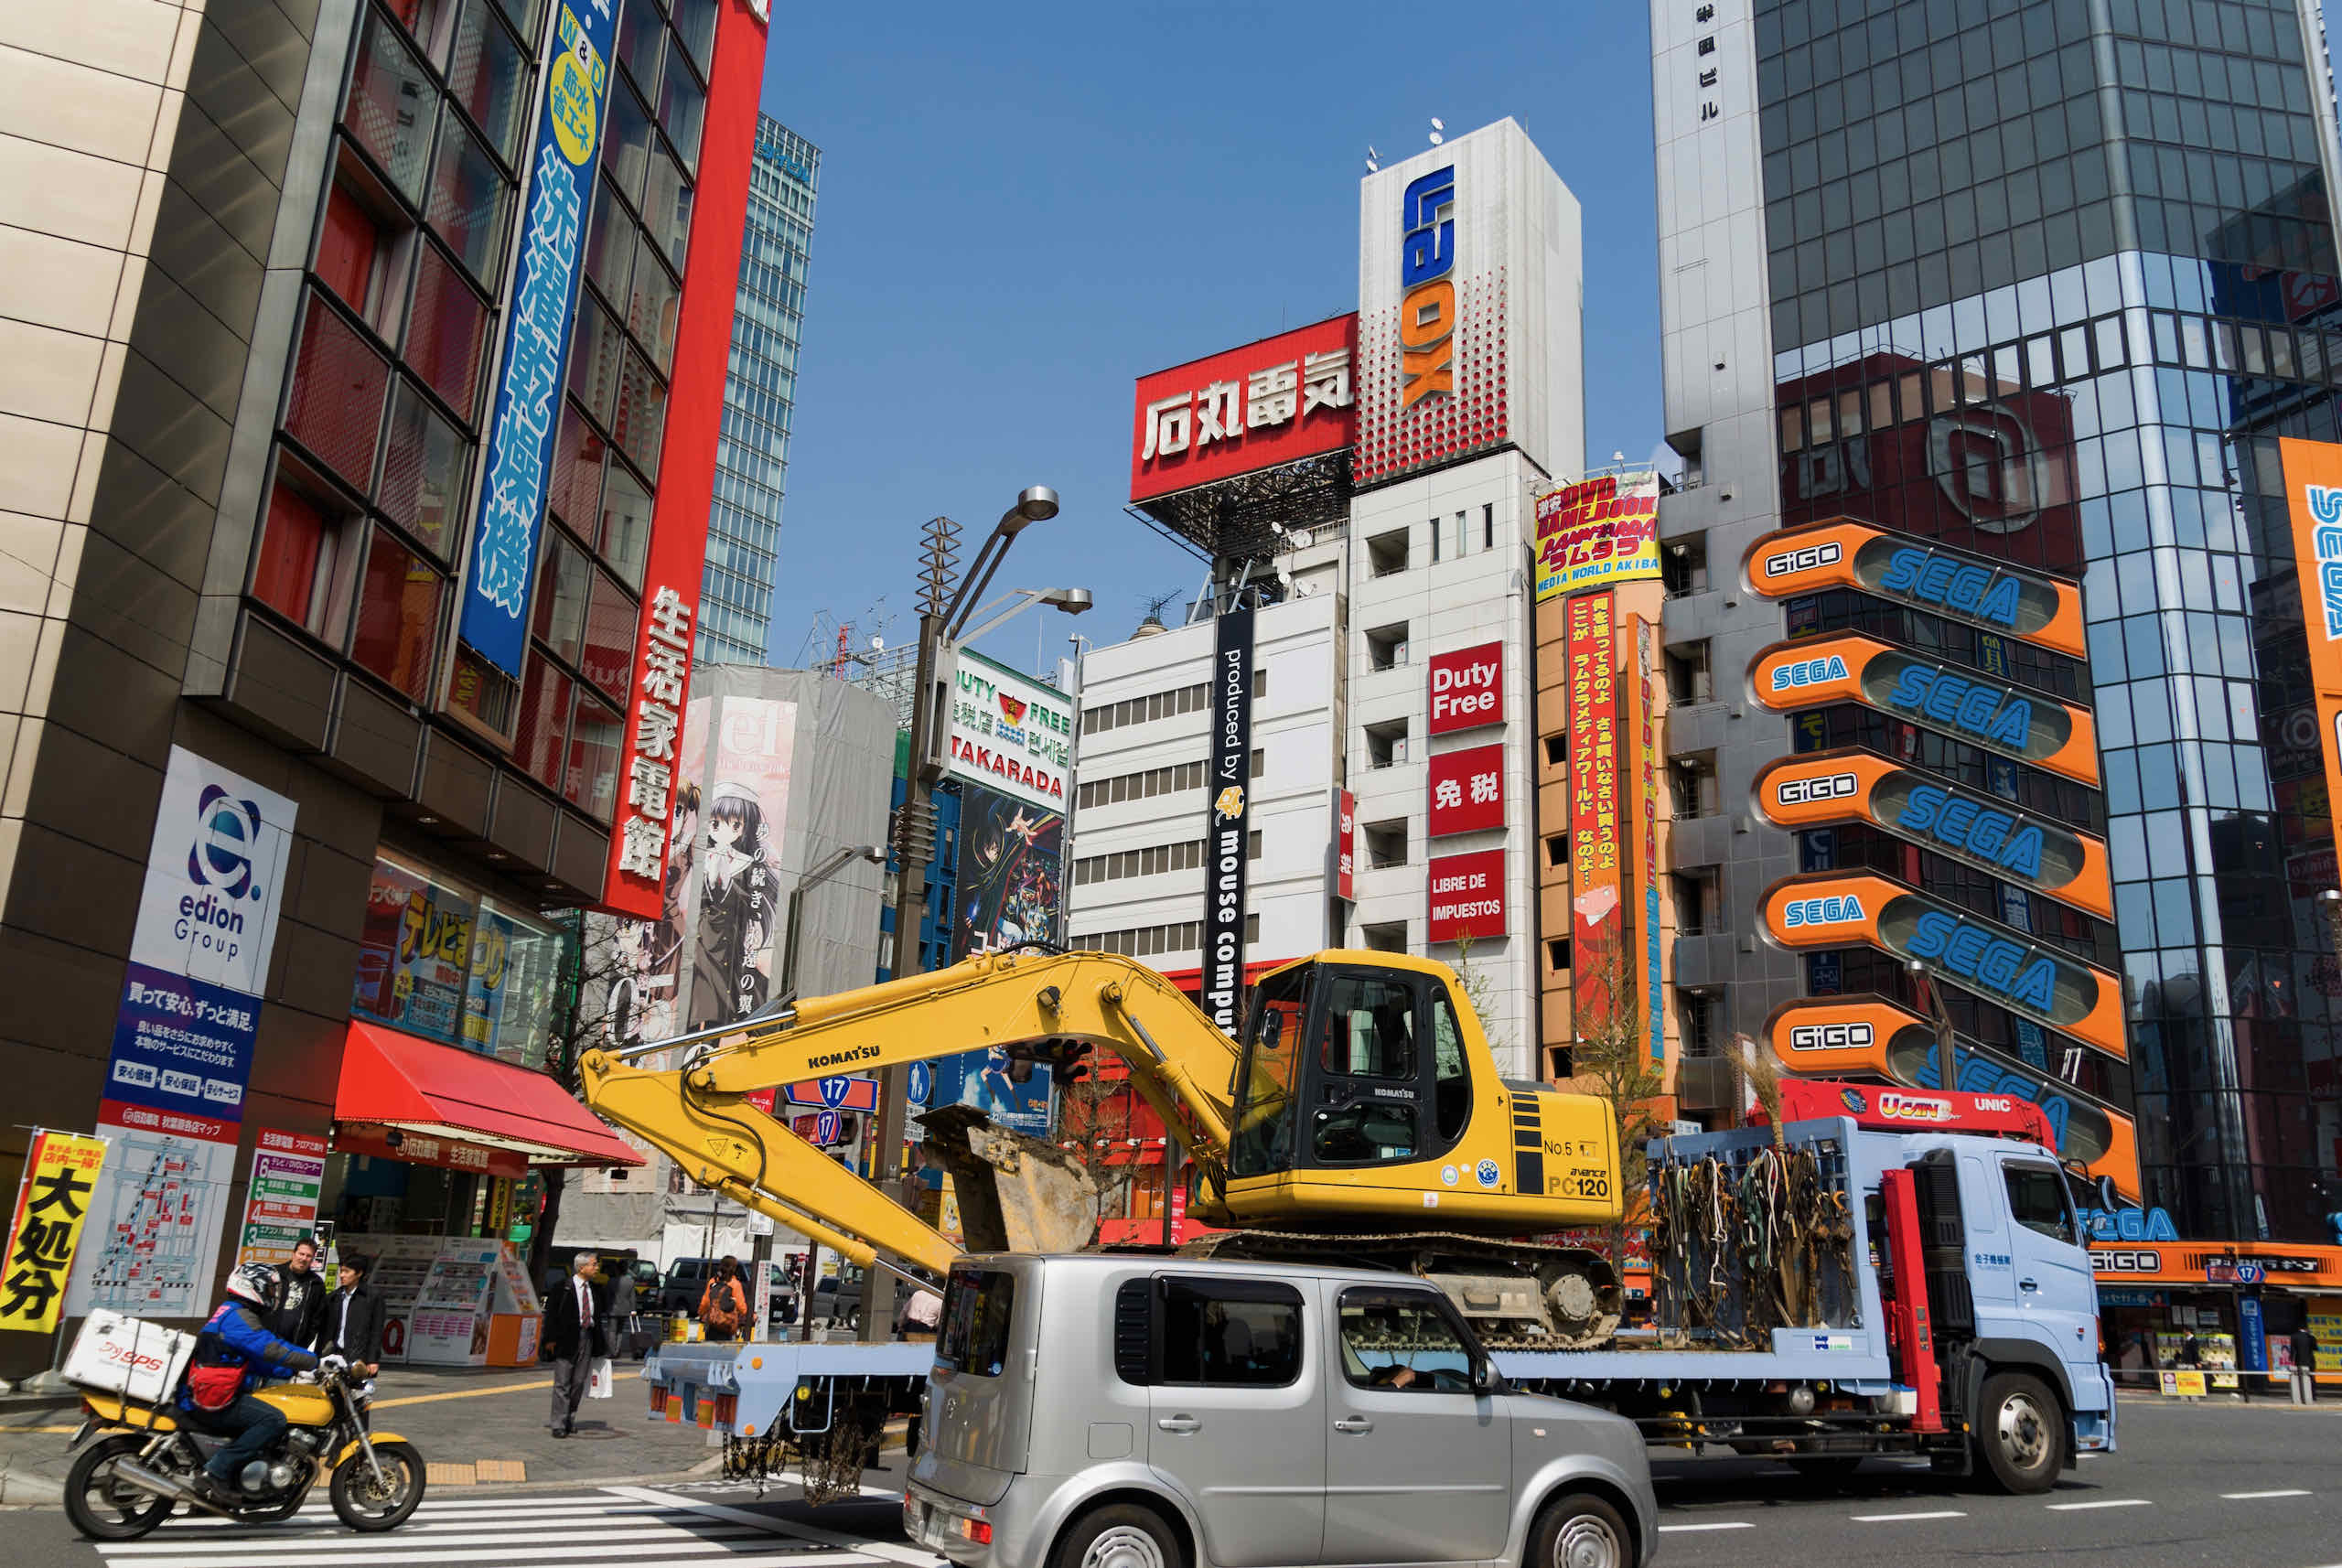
(527, 408)
(182, 1044)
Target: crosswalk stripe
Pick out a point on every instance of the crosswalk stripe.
(1694, 1529)
(2103, 1503)
(2256, 1497)
(431, 1541)
(886, 1550)
(369, 1551)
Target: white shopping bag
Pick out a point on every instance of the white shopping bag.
(605, 1384)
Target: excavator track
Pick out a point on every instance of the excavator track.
(1519, 1295)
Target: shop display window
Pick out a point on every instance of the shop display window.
(439, 960)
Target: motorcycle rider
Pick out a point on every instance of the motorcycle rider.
(233, 1354)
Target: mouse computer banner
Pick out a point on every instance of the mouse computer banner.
(1983, 831)
(2014, 721)
(1844, 553)
(1999, 964)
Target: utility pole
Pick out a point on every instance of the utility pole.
(943, 614)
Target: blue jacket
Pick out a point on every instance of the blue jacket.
(233, 1337)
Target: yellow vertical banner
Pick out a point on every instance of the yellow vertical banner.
(52, 1206)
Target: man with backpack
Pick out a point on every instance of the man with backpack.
(233, 1354)
(723, 1306)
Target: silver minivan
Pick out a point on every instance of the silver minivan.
(1128, 1411)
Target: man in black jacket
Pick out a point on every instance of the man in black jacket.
(571, 1340)
(299, 1307)
(352, 1320)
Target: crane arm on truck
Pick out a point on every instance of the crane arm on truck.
(1034, 1008)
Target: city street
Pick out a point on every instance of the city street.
(2254, 1488)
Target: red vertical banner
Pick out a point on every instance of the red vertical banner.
(634, 880)
(1591, 652)
(1346, 845)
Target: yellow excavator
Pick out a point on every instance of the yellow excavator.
(1360, 1120)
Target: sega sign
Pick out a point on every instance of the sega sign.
(1831, 911)
(2325, 504)
(1427, 302)
(1808, 672)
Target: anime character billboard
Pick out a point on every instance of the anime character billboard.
(1010, 873)
(737, 867)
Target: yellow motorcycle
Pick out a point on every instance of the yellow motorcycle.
(142, 1459)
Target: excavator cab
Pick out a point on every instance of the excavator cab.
(1349, 1065)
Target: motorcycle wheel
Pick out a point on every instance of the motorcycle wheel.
(363, 1505)
(100, 1504)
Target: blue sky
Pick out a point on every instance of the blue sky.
(1024, 208)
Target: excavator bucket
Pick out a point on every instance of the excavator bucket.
(1017, 1193)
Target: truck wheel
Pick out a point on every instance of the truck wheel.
(2021, 1432)
(1579, 1531)
(1119, 1535)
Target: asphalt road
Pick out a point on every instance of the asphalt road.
(2207, 1485)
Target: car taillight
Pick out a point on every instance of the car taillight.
(977, 1529)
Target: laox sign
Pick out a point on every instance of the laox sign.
(1467, 688)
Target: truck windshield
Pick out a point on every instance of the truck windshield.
(1266, 1079)
(979, 1305)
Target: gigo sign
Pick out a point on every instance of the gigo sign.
(1919, 573)
(1467, 688)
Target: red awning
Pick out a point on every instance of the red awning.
(398, 1080)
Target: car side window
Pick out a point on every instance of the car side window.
(2038, 1200)
(1227, 1332)
(1403, 1339)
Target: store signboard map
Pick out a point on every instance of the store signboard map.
(174, 1099)
(281, 1208)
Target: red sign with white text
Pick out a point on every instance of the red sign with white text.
(1276, 401)
(1468, 896)
(633, 882)
(1467, 790)
(1467, 688)
(1346, 844)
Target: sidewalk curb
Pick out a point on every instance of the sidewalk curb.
(21, 1489)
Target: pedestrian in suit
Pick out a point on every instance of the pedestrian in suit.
(352, 1326)
(572, 1338)
(2305, 1366)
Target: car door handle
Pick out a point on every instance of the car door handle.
(1178, 1424)
(2028, 1284)
(1354, 1424)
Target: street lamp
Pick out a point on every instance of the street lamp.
(940, 621)
(1947, 1050)
(1072, 601)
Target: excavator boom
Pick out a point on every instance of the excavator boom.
(1027, 1006)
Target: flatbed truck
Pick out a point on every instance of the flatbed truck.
(1906, 1277)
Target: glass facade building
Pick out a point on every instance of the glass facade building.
(760, 396)
(2045, 282)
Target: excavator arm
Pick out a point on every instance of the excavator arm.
(1037, 1009)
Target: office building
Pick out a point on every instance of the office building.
(342, 626)
(759, 399)
(2035, 288)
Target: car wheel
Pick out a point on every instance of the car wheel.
(1119, 1535)
(2022, 1431)
(1580, 1530)
(853, 1319)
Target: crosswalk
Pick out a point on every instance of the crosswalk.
(633, 1526)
